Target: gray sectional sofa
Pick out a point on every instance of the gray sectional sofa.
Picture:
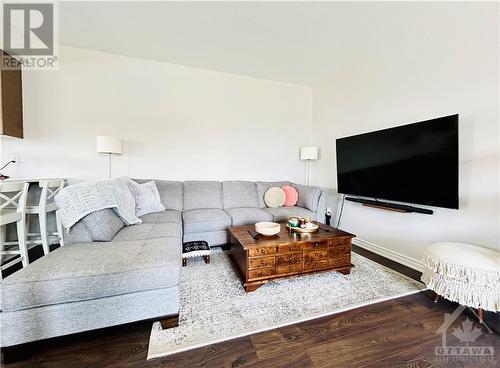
(87, 285)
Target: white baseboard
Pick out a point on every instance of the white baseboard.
(392, 255)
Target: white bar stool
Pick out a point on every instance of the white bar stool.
(46, 205)
(13, 197)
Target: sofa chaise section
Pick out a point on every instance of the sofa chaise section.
(85, 286)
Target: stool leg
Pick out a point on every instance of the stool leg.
(21, 239)
(3, 238)
(480, 314)
(28, 224)
(42, 219)
(184, 262)
(59, 229)
(436, 297)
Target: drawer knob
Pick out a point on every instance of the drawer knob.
(262, 273)
(262, 262)
(316, 245)
(316, 254)
(290, 268)
(315, 265)
(290, 258)
(263, 251)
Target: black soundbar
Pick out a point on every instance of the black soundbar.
(390, 206)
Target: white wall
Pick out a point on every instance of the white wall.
(449, 64)
(177, 122)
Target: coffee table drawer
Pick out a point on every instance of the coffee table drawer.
(291, 248)
(293, 268)
(261, 262)
(339, 251)
(315, 265)
(340, 262)
(290, 258)
(340, 241)
(316, 245)
(261, 273)
(316, 255)
(264, 251)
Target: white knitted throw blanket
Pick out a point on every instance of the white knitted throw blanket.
(78, 200)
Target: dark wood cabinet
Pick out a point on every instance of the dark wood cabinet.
(260, 260)
(11, 98)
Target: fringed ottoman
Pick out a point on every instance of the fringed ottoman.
(192, 249)
(463, 273)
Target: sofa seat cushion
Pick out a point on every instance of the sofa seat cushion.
(281, 214)
(148, 231)
(85, 271)
(248, 215)
(163, 217)
(206, 219)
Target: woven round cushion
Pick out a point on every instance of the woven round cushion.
(464, 273)
(291, 194)
(274, 197)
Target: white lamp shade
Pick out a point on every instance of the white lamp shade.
(107, 144)
(308, 153)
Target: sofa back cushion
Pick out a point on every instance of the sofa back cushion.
(170, 193)
(263, 186)
(308, 196)
(238, 194)
(202, 194)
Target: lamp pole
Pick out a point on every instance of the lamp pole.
(109, 165)
(307, 171)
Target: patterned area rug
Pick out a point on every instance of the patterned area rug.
(215, 307)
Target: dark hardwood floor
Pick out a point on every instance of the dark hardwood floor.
(397, 333)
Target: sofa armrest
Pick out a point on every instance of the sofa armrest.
(321, 211)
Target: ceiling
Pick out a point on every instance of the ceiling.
(296, 42)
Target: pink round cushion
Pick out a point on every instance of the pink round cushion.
(291, 195)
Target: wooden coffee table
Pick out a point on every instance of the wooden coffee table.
(288, 254)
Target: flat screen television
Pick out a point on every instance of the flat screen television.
(414, 163)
